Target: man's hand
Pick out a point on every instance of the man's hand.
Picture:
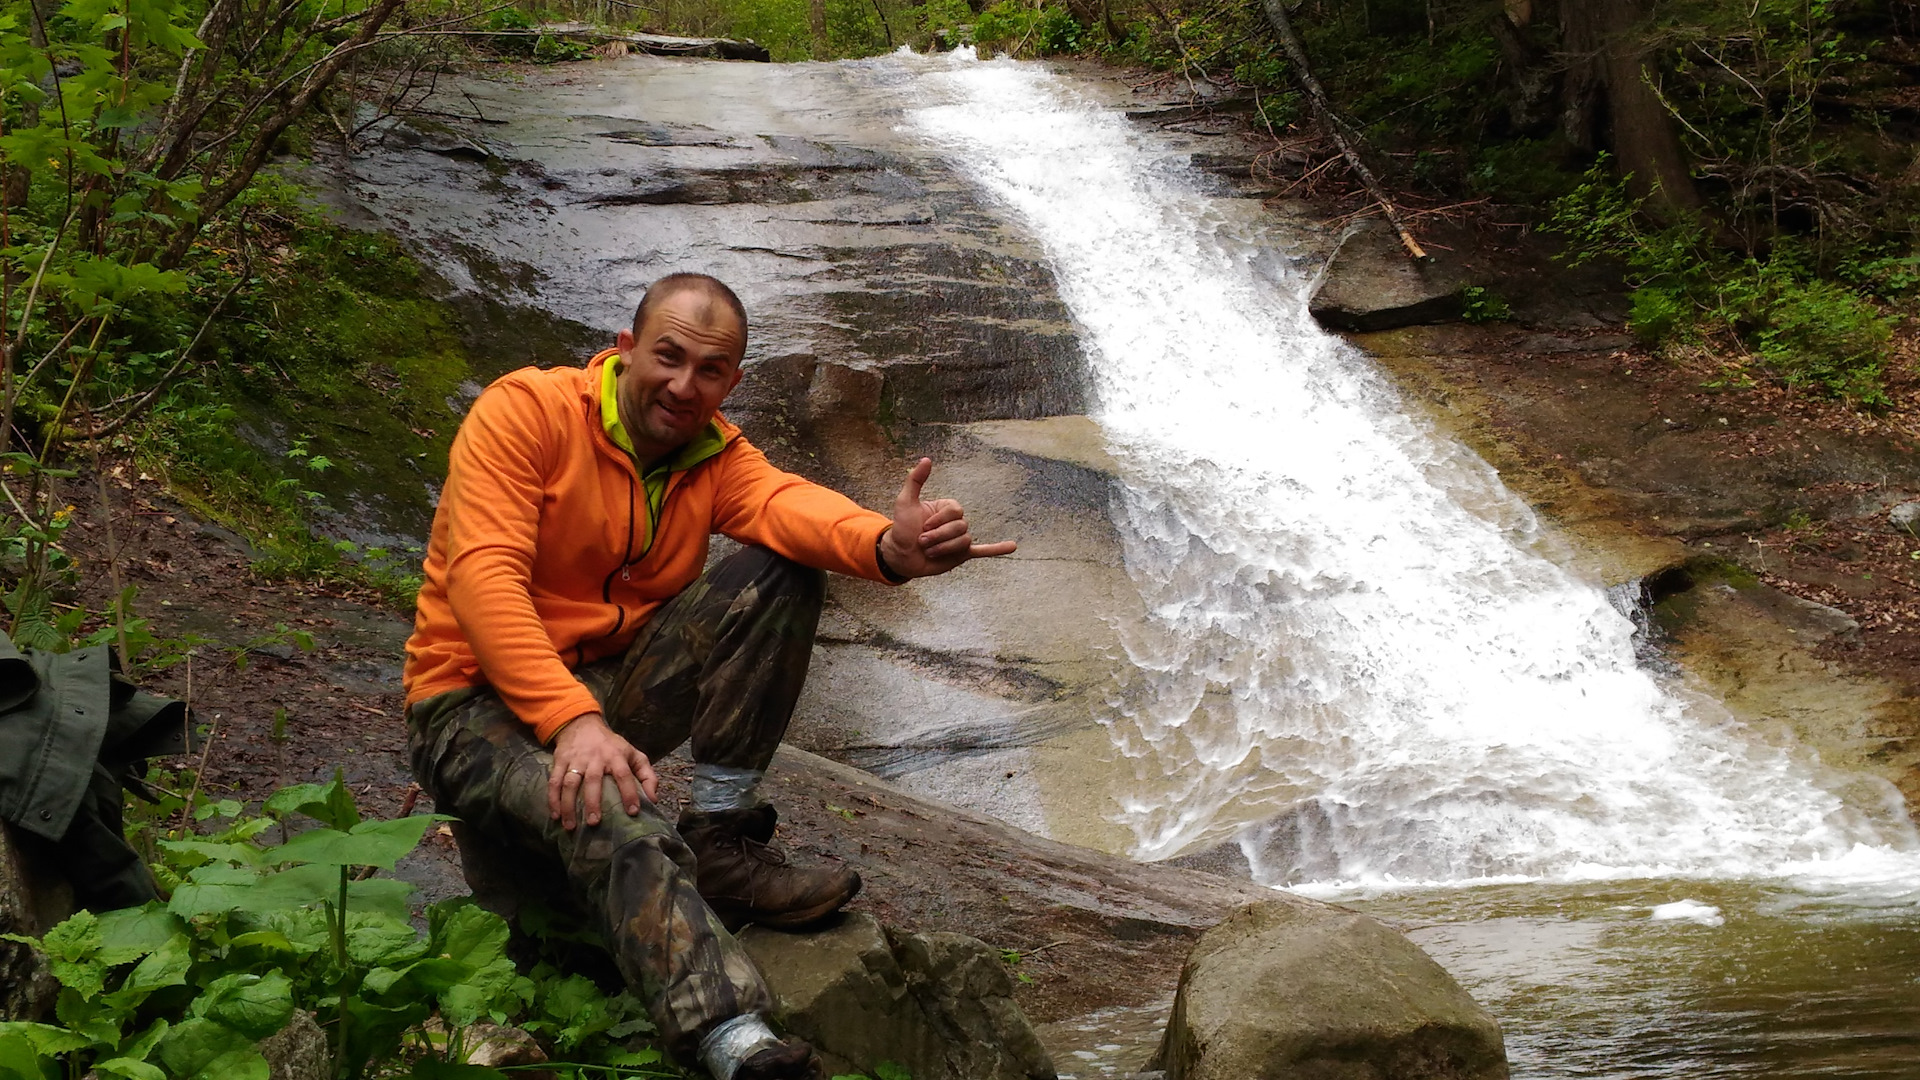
(586, 752)
(929, 538)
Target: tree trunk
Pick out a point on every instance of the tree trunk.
(1529, 76)
(1084, 12)
(1609, 76)
(817, 22)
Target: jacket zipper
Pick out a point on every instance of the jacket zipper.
(606, 587)
(625, 569)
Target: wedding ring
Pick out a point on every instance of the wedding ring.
(576, 772)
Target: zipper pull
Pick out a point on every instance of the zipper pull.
(624, 576)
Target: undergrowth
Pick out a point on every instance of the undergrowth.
(1807, 330)
(274, 915)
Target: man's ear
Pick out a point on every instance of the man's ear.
(624, 340)
(737, 372)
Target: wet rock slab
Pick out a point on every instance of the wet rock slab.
(850, 244)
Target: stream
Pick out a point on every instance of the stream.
(1354, 658)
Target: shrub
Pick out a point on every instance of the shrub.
(1820, 334)
(1479, 305)
(1057, 32)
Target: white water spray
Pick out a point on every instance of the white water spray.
(1356, 657)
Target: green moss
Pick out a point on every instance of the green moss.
(330, 391)
(1719, 570)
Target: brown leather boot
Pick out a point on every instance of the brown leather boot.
(791, 1060)
(745, 879)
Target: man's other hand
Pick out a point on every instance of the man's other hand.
(585, 753)
(929, 538)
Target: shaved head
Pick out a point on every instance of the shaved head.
(712, 288)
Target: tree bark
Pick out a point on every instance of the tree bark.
(1609, 75)
(817, 22)
(1529, 76)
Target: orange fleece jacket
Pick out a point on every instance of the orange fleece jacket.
(540, 560)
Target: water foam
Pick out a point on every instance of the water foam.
(1359, 660)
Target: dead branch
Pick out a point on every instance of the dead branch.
(1344, 137)
(319, 76)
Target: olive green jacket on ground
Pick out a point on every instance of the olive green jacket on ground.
(72, 734)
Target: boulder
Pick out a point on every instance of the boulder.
(938, 1005)
(963, 986)
(1370, 284)
(495, 1046)
(298, 1051)
(1281, 990)
(1906, 517)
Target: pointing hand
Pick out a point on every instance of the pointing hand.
(929, 538)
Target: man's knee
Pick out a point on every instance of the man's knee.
(762, 576)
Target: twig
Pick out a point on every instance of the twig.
(113, 562)
(141, 402)
(206, 751)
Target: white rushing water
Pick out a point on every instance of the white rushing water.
(1359, 658)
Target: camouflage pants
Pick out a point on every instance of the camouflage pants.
(721, 663)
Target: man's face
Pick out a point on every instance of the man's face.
(679, 366)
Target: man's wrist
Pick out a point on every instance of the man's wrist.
(894, 577)
(569, 725)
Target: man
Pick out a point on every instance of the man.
(566, 637)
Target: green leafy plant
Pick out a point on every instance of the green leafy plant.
(1808, 331)
(552, 50)
(253, 932)
(1018, 27)
(1821, 334)
(1479, 304)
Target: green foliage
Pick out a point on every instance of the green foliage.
(869, 27)
(1026, 28)
(510, 18)
(1809, 332)
(552, 50)
(1822, 335)
(134, 306)
(252, 932)
(1479, 305)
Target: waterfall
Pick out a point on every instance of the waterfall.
(1360, 658)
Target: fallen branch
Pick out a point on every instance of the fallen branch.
(1345, 138)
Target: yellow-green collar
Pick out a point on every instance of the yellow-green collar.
(709, 442)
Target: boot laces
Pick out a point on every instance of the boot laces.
(758, 851)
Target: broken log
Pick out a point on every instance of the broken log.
(1344, 138)
(656, 44)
